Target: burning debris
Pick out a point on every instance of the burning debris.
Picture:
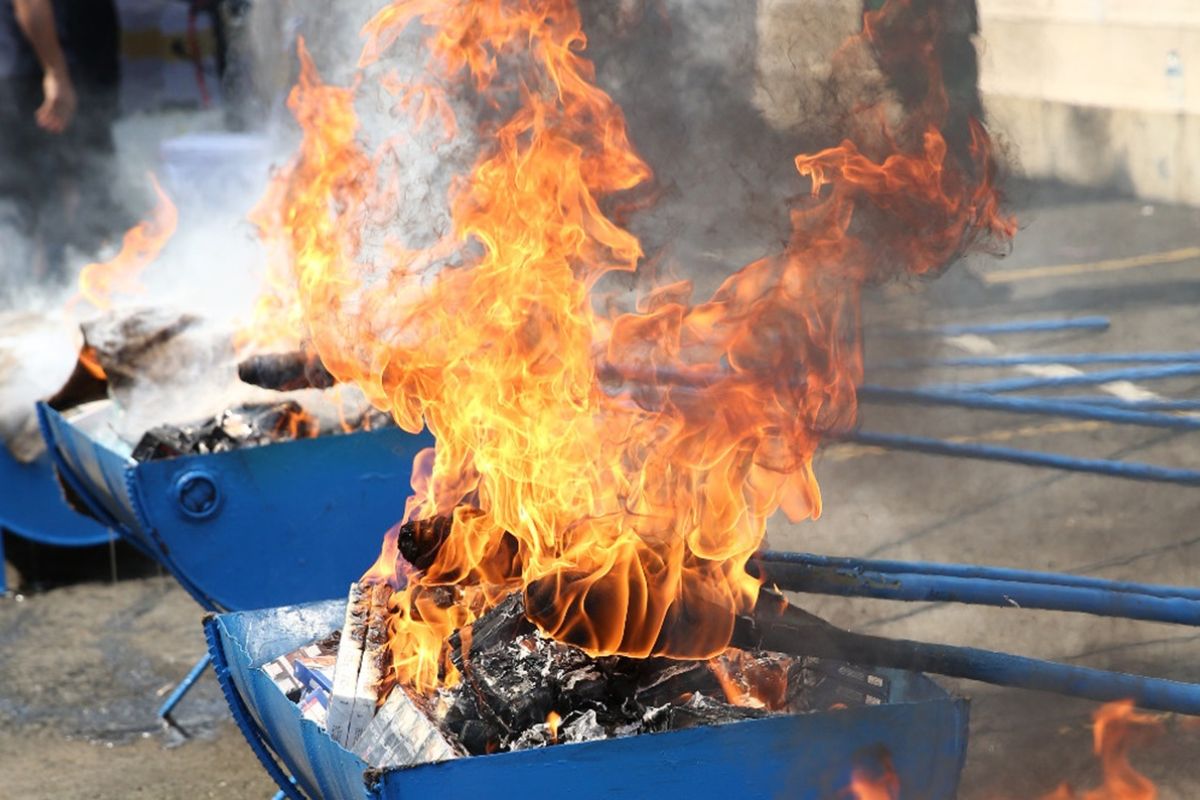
(155, 364)
(285, 372)
(233, 429)
(623, 512)
(521, 689)
(573, 563)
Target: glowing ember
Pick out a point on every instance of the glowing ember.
(141, 245)
(626, 513)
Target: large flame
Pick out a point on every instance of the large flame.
(99, 282)
(625, 511)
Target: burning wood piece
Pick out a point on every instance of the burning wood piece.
(419, 540)
(246, 426)
(359, 667)
(286, 372)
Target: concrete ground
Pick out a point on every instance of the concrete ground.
(84, 666)
(912, 506)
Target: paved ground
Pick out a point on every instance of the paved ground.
(84, 666)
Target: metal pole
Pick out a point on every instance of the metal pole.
(1116, 469)
(177, 694)
(974, 571)
(1021, 672)
(787, 629)
(1026, 326)
(917, 587)
(1133, 405)
(1026, 405)
(1051, 358)
(1086, 379)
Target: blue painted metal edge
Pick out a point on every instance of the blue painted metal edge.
(241, 714)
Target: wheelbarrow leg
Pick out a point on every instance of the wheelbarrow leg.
(185, 685)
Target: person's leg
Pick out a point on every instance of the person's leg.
(21, 181)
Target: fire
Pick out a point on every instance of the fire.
(881, 784)
(89, 361)
(98, 282)
(277, 322)
(626, 512)
(553, 722)
(1117, 726)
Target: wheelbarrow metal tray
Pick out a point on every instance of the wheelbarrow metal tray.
(801, 757)
(32, 505)
(283, 523)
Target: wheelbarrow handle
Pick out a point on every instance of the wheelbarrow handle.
(962, 583)
(785, 628)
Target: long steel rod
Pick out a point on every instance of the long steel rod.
(788, 629)
(1026, 405)
(1085, 379)
(916, 587)
(1025, 326)
(975, 571)
(1132, 405)
(185, 686)
(1048, 358)
(985, 452)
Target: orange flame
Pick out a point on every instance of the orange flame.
(553, 722)
(89, 361)
(883, 784)
(626, 513)
(1117, 726)
(98, 282)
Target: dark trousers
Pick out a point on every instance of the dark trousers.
(55, 190)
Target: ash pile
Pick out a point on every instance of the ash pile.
(520, 689)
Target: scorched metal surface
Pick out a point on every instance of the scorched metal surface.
(800, 757)
(251, 528)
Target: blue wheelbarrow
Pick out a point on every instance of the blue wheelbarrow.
(32, 507)
(808, 756)
(285, 523)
